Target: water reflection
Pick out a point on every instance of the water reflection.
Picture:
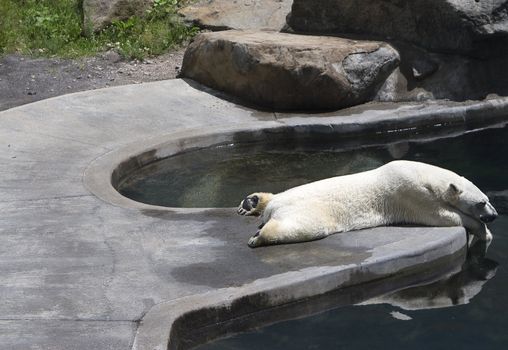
(398, 150)
(455, 290)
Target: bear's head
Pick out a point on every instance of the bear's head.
(467, 198)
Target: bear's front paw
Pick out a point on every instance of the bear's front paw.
(248, 206)
(484, 234)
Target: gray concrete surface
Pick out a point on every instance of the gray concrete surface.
(303, 271)
(80, 271)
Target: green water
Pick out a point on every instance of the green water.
(221, 177)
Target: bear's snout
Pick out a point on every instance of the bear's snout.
(491, 214)
(488, 218)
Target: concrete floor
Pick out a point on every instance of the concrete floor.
(80, 272)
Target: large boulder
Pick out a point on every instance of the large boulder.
(440, 25)
(238, 14)
(290, 72)
(97, 14)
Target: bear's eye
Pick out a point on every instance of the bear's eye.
(481, 205)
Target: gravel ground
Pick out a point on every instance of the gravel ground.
(24, 79)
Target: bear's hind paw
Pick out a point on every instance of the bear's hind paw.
(248, 206)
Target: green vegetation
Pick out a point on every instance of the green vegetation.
(55, 28)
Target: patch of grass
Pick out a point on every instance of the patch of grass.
(55, 28)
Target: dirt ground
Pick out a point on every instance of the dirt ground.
(24, 79)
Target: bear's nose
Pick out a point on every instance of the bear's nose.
(488, 218)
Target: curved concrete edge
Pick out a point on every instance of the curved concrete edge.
(365, 129)
(164, 324)
(102, 175)
(433, 114)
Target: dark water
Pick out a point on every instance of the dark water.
(221, 177)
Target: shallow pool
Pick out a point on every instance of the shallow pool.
(222, 176)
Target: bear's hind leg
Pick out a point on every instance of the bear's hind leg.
(255, 241)
(266, 235)
(281, 232)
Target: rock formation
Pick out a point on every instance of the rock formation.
(438, 25)
(290, 72)
(238, 14)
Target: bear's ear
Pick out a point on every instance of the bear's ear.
(454, 189)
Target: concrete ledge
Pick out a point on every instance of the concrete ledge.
(187, 322)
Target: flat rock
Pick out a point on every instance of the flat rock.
(444, 25)
(98, 14)
(290, 72)
(238, 14)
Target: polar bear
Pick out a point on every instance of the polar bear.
(400, 192)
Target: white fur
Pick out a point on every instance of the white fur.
(400, 192)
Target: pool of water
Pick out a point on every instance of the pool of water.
(466, 311)
(222, 176)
